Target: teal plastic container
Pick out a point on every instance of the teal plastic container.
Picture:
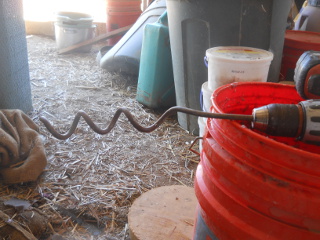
(155, 83)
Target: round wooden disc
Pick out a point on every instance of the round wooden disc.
(163, 213)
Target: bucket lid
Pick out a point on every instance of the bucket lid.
(74, 18)
(302, 39)
(239, 53)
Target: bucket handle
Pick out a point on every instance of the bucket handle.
(193, 143)
(205, 59)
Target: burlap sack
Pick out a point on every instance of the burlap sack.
(22, 154)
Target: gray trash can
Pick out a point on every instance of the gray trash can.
(197, 25)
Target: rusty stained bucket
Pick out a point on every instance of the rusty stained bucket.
(253, 186)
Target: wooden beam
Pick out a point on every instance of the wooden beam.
(94, 40)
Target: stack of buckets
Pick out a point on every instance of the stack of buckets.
(252, 186)
(72, 28)
(121, 13)
(228, 65)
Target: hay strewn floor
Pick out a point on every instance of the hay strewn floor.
(91, 180)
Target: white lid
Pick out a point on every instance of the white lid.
(239, 53)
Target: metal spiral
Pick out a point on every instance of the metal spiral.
(135, 124)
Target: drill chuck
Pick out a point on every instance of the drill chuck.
(277, 119)
(290, 120)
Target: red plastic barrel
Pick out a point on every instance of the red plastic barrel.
(296, 43)
(121, 13)
(253, 186)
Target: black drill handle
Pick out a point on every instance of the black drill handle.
(307, 75)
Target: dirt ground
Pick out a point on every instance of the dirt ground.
(91, 180)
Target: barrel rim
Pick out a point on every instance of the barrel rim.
(293, 38)
(256, 135)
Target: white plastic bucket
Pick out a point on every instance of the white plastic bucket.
(202, 122)
(72, 28)
(237, 64)
(205, 97)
